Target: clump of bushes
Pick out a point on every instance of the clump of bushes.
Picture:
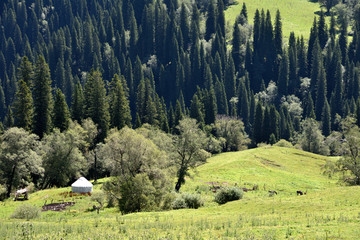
(26, 211)
(284, 143)
(228, 194)
(187, 200)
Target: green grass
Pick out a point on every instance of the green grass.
(297, 15)
(328, 211)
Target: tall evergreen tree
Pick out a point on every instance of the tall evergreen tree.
(326, 119)
(119, 104)
(96, 104)
(61, 114)
(42, 98)
(23, 106)
(211, 21)
(77, 106)
(258, 123)
(321, 92)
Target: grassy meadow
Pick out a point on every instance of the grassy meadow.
(297, 15)
(328, 211)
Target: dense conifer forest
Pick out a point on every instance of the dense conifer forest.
(129, 63)
(134, 62)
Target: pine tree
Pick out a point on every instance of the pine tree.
(321, 93)
(42, 98)
(258, 123)
(96, 104)
(309, 107)
(61, 114)
(326, 119)
(23, 106)
(196, 110)
(236, 42)
(211, 21)
(278, 34)
(322, 30)
(77, 106)
(210, 106)
(119, 104)
(283, 81)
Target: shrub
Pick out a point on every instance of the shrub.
(2, 192)
(192, 200)
(187, 200)
(283, 143)
(26, 211)
(168, 201)
(228, 194)
(178, 203)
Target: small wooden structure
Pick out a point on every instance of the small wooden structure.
(21, 194)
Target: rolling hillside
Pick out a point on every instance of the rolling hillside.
(297, 15)
(327, 211)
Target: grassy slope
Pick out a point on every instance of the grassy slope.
(297, 15)
(328, 210)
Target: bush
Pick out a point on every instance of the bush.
(26, 211)
(187, 200)
(228, 194)
(283, 143)
(193, 200)
(168, 200)
(178, 203)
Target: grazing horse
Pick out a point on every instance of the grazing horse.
(273, 192)
(300, 193)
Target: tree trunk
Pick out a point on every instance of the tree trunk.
(9, 185)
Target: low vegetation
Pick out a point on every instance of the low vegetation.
(327, 210)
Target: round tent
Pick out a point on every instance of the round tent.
(82, 185)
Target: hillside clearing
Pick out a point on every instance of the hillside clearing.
(327, 211)
(297, 15)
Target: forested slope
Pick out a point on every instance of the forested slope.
(172, 59)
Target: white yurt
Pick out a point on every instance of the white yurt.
(82, 185)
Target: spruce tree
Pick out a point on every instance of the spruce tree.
(61, 114)
(278, 34)
(326, 119)
(119, 104)
(321, 92)
(258, 123)
(96, 104)
(23, 106)
(42, 98)
(211, 21)
(77, 106)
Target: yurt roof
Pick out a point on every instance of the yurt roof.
(82, 182)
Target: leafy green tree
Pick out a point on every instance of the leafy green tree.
(349, 164)
(61, 113)
(42, 98)
(189, 145)
(311, 139)
(18, 158)
(233, 131)
(139, 181)
(62, 159)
